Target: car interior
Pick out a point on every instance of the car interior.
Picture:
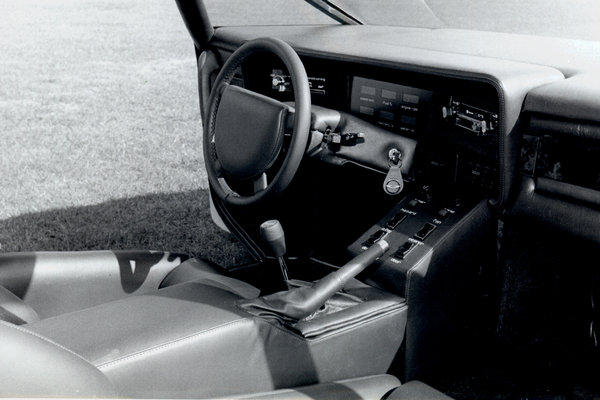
(423, 208)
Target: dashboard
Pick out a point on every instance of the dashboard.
(455, 121)
(494, 116)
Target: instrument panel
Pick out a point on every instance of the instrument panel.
(455, 121)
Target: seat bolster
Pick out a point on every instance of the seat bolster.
(369, 387)
(34, 366)
(417, 390)
(14, 310)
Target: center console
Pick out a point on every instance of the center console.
(416, 228)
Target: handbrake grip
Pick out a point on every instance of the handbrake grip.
(299, 303)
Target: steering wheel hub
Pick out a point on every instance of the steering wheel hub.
(249, 132)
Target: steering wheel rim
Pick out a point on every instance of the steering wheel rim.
(302, 116)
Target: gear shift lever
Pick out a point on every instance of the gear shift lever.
(272, 233)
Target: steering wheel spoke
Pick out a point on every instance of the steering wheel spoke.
(260, 183)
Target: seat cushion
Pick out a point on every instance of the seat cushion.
(187, 340)
(34, 366)
(416, 390)
(190, 340)
(375, 387)
(367, 388)
(54, 283)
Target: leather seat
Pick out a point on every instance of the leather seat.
(375, 387)
(14, 309)
(50, 370)
(40, 285)
(191, 338)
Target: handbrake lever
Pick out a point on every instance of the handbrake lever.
(298, 303)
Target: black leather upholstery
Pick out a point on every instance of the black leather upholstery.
(34, 366)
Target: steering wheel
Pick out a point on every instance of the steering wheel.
(245, 131)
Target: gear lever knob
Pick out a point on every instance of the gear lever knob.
(272, 233)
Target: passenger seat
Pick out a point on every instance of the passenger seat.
(376, 387)
(28, 354)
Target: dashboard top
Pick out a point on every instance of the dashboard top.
(566, 69)
(569, 56)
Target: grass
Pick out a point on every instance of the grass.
(100, 130)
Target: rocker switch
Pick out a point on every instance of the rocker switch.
(403, 250)
(425, 231)
(396, 220)
(374, 238)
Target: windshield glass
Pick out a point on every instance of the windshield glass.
(574, 19)
(264, 12)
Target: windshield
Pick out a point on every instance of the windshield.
(574, 19)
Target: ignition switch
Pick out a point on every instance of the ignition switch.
(393, 183)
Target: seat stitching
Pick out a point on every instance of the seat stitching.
(45, 339)
(167, 344)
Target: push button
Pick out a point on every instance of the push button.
(425, 231)
(403, 250)
(396, 220)
(374, 238)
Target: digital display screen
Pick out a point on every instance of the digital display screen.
(390, 105)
